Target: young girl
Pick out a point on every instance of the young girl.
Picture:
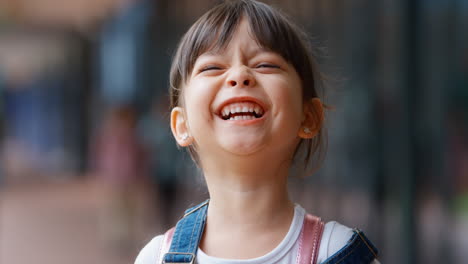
(243, 92)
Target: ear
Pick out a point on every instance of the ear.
(179, 127)
(313, 119)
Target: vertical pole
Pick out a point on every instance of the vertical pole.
(413, 88)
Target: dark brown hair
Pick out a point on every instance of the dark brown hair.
(271, 29)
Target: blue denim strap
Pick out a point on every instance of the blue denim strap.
(359, 250)
(187, 235)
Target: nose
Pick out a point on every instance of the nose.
(241, 77)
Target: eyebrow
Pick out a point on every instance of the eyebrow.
(216, 52)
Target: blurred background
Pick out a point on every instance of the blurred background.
(89, 172)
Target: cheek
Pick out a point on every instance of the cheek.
(295, 97)
(289, 96)
(198, 97)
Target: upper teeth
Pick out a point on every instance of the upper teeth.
(244, 107)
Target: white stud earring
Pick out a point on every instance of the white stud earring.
(307, 130)
(185, 137)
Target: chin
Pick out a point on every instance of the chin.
(243, 147)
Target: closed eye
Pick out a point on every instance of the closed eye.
(267, 65)
(210, 68)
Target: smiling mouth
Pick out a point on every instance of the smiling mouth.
(241, 111)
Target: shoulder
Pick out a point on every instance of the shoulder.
(150, 253)
(337, 240)
(335, 236)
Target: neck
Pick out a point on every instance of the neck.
(247, 183)
(247, 198)
(248, 205)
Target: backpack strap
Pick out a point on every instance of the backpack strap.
(166, 243)
(309, 240)
(186, 236)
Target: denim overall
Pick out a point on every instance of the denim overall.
(189, 230)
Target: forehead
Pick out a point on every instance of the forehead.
(252, 33)
(242, 38)
(224, 36)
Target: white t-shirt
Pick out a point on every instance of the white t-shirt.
(335, 236)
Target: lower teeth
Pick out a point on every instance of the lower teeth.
(241, 118)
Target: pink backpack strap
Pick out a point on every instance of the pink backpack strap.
(309, 240)
(166, 244)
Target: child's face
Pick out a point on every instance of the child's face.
(244, 78)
